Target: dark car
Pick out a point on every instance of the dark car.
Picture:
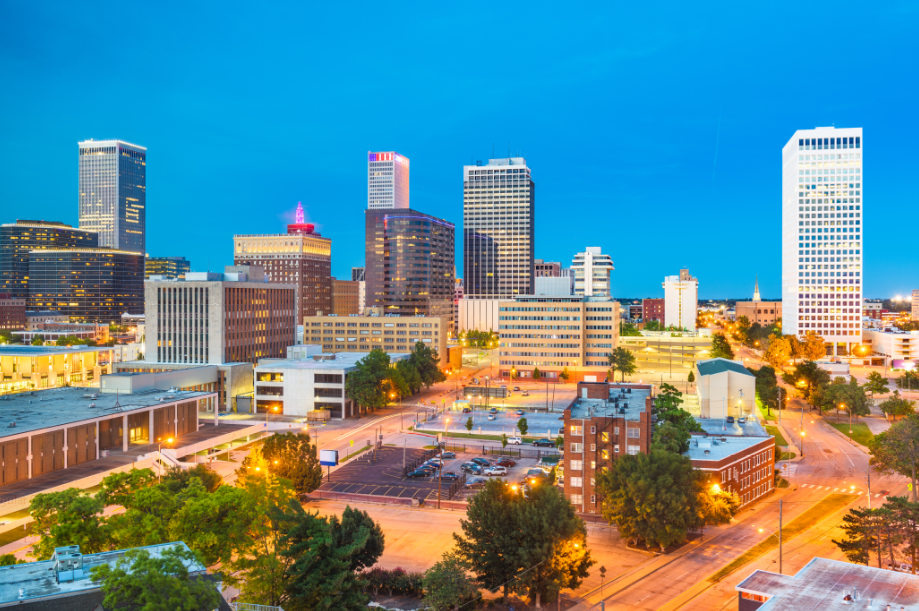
(433, 466)
(546, 443)
(450, 475)
(493, 411)
(447, 455)
(419, 473)
(505, 462)
(466, 410)
(481, 462)
(730, 419)
(519, 412)
(516, 388)
(475, 482)
(469, 467)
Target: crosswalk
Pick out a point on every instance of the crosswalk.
(876, 495)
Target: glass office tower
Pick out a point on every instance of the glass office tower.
(17, 239)
(113, 193)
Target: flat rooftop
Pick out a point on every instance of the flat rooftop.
(41, 409)
(823, 584)
(718, 448)
(718, 426)
(33, 351)
(342, 360)
(621, 404)
(38, 579)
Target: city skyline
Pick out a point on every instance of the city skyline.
(706, 170)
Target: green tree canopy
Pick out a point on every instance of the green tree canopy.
(410, 376)
(721, 348)
(671, 437)
(622, 360)
(897, 406)
(536, 373)
(652, 497)
(426, 361)
(667, 409)
(653, 325)
(897, 450)
(767, 388)
(876, 384)
(139, 581)
(356, 525)
(365, 384)
(808, 378)
(447, 586)
(293, 457)
(564, 375)
(523, 426)
(627, 329)
(67, 517)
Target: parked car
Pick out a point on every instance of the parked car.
(545, 443)
(730, 419)
(428, 468)
(493, 410)
(467, 410)
(519, 412)
(516, 388)
(535, 472)
(435, 459)
(514, 441)
(482, 462)
(742, 420)
(505, 462)
(419, 473)
(450, 475)
(447, 455)
(472, 468)
(525, 393)
(475, 482)
(492, 417)
(431, 465)
(496, 470)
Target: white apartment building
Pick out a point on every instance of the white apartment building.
(387, 181)
(681, 300)
(498, 236)
(892, 343)
(822, 224)
(592, 272)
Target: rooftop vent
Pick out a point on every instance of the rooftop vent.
(11, 425)
(68, 563)
(92, 405)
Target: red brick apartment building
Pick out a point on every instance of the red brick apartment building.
(606, 421)
(743, 463)
(12, 312)
(652, 309)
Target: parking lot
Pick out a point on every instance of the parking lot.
(505, 421)
(515, 473)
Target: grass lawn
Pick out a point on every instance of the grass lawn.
(762, 411)
(775, 432)
(353, 454)
(787, 455)
(860, 431)
(821, 510)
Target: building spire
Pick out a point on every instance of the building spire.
(756, 290)
(299, 220)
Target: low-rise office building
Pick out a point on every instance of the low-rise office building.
(12, 312)
(309, 382)
(606, 421)
(724, 388)
(34, 318)
(829, 585)
(53, 331)
(25, 368)
(891, 343)
(167, 268)
(554, 333)
(346, 298)
(652, 309)
(389, 333)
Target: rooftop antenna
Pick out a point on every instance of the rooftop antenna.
(117, 404)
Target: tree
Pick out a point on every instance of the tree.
(861, 535)
(876, 384)
(294, 458)
(627, 329)
(808, 378)
(10, 560)
(504, 440)
(897, 406)
(536, 374)
(555, 545)
(812, 348)
(778, 353)
(426, 361)
(653, 325)
(691, 377)
(906, 521)
(717, 506)
(215, 524)
(469, 424)
(897, 450)
(671, 437)
(909, 380)
(652, 497)
(523, 426)
(38, 340)
(622, 360)
(667, 409)
(490, 539)
(118, 488)
(178, 479)
(721, 348)
(410, 375)
(396, 386)
(320, 576)
(67, 517)
(354, 525)
(365, 384)
(564, 375)
(767, 388)
(141, 582)
(447, 586)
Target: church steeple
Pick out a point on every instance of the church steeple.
(756, 290)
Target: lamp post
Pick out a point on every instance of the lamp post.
(160, 452)
(779, 535)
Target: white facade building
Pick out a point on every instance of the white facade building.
(479, 313)
(725, 388)
(822, 224)
(892, 343)
(681, 300)
(387, 181)
(553, 285)
(498, 228)
(592, 272)
(113, 193)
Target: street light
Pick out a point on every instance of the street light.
(160, 451)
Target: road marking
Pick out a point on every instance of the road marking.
(369, 424)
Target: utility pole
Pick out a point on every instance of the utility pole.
(780, 536)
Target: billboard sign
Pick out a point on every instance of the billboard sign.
(902, 364)
(328, 458)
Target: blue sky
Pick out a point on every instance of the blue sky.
(654, 132)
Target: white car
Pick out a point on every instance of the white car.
(514, 441)
(495, 471)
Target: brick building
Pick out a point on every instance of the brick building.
(763, 312)
(346, 297)
(739, 458)
(652, 309)
(12, 312)
(605, 422)
(542, 269)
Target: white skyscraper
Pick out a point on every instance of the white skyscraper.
(681, 300)
(592, 273)
(113, 193)
(822, 223)
(387, 181)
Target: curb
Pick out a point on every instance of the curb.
(844, 436)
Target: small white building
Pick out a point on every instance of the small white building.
(725, 388)
(592, 271)
(681, 300)
(893, 343)
(308, 381)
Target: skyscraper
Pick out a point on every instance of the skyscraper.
(387, 181)
(499, 205)
(113, 193)
(410, 257)
(681, 300)
(592, 273)
(19, 238)
(822, 222)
